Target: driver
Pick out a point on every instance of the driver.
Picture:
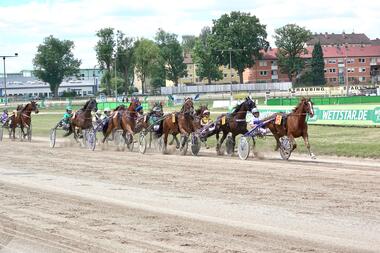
(66, 118)
(256, 122)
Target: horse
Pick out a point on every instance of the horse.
(23, 117)
(294, 125)
(234, 122)
(82, 119)
(179, 123)
(124, 118)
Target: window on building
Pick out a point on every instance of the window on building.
(361, 78)
(340, 60)
(332, 70)
(350, 60)
(362, 60)
(325, 70)
(332, 61)
(274, 72)
(274, 63)
(225, 75)
(263, 73)
(361, 69)
(350, 70)
(262, 63)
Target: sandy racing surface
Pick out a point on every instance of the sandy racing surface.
(69, 199)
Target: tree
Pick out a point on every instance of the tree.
(241, 33)
(55, 61)
(205, 60)
(290, 41)
(146, 55)
(188, 43)
(172, 54)
(104, 50)
(124, 60)
(318, 65)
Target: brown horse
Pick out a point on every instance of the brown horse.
(23, 118)
(82, 119)
(125, 119)
(294, 125)
(179, 123)
(234, 123)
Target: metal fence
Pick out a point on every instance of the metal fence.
(224, 88)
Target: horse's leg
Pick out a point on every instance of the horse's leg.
(176, 141)
(224, 136)
(233, 143)
(165, 139)
(293, 141)
(307, 144)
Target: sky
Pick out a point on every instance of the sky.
(24, 24)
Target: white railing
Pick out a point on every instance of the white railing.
(223, 88)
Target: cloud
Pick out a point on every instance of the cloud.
(25, 25)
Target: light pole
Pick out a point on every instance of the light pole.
(5, 78)
(230, 50)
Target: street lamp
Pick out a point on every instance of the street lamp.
(5, 77)
(230, 50)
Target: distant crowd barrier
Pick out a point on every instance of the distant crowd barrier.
(327, 100)
(345, 115)
(113, 105)
(224, 88)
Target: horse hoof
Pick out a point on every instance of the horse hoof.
(313, 157)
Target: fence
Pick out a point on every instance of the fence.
(285, 86)
(113, 105)
(344, 115)
(327, 100)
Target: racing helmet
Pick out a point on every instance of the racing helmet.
(255, 110)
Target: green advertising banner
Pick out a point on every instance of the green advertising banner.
(349, 115)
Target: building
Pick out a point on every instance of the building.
(360, 63)
(340, 39)
(25, 84)
(192, 78)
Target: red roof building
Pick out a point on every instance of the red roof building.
(360, 63)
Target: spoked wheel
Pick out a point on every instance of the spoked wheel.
(142, 143)
(229, 145)
(130, 143)
(183, 149)
(286, 147)
(1, 133)
(195, 144)
(52, 137)
(244, 148)
(119, 140)
(90, 138)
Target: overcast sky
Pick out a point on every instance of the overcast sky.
(24, 24)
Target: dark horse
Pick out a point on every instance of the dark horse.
(23, 118)
(234, 122)
(179, 123)
(82, 119)
(125, 119)
(294, 125)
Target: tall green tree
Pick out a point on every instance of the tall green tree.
(124, 61)
(104, 53)
(290, 41)
(318, 65)
(172, 54)
(188, 43)
(54, 61)
(241, 34)
(205, 60)
(146, 56)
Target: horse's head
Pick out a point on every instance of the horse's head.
(202, 110)
(34, 106)
(188, 106)
(248, 105)
(91, 105)
(307, 106)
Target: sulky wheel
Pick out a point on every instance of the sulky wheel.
(195, 144)
(286, 147)
(244, 148)
(52, 137)
(90, 139)
(142, 143)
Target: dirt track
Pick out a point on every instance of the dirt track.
(70, 199)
